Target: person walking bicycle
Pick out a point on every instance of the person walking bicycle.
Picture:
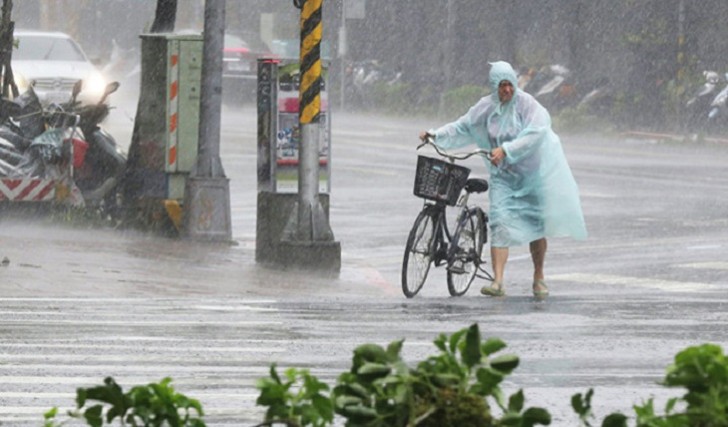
(533, 194)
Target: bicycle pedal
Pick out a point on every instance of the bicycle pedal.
(456, 269)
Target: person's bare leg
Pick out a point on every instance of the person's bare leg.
(538, 255)
(499, 257)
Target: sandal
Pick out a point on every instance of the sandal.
(540, 290)
(494, 290)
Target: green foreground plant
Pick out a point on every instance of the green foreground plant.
(460, 386)
(702, 371)
(152, 405)
(454, 388)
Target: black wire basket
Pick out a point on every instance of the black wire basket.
(439, 180)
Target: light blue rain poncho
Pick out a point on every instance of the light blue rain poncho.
(532, 191)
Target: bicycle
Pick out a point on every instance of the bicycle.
(430, 241)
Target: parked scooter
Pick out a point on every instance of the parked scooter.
(63, 141)
(718, 105)
(364, 76)
(551, 85)
(707, 90)
(99, 176)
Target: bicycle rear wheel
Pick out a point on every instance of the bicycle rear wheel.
(466, 249)
(418, 254)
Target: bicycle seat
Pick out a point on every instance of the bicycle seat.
(476, 185)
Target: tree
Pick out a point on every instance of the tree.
(6, 50)
(164, 16)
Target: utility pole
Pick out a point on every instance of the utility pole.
(7, 26)
(207, 195)
(680, 75)
(448, 55)
(308, 232)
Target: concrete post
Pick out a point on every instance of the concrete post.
(207, 196)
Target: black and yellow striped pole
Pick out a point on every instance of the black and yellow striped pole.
(310, 72)
(311, 221)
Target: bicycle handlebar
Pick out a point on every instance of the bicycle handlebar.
(430, 140)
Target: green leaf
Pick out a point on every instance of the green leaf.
(93, 416)
(324, 406)
(488, 380)
(615, 420)
(357, 390)
(492, 345)
(109, 393)
(375, 370)
(582, 403)
(670, 405)
(393, 350)
(346, 400)
(359, 412)
(497, 394)
(535, 415)
(402, 394)
(471, 353)
(505, 364)
(312, 385)
(515, 402)
(370, 353)
(511, 419)
(445, 380)
(272, 393)
(51, 413)
(455, 339)
(80, 397)
(440, 342)
(274, 373)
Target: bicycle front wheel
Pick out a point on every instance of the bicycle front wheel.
(418, 254)
(464, 256)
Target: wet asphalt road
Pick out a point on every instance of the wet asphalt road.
(652, 278)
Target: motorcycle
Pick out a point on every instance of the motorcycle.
(364, 76)
(100, 174)
(63, 142)
(698, 107)
(718, 104)
(551, 85)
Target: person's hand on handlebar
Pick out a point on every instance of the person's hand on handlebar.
(497, 155)
(424, 134)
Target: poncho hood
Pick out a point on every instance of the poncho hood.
(500, 71)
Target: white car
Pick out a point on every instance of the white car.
(52, 63)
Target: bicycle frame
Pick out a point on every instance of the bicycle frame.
(432, 242)
(441, 249)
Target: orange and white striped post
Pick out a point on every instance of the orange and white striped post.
(173, 115)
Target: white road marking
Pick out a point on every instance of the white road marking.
(703, 247)
(717, 265)
(608, 279)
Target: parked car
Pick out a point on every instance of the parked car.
(240, 65)
(52, 62)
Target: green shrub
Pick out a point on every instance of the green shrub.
(390, 98)
(460, 386)
(155, 404)
(458, 101)
(456, 387)
(580, 120)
